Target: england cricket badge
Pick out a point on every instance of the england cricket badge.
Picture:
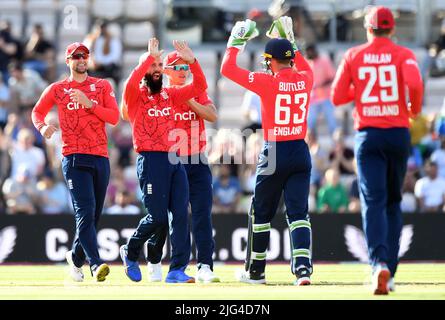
(92, 87)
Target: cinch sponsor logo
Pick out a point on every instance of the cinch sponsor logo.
(159, 113)
(186, 116)
(76, 106)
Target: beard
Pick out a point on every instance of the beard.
(81, 71)
(155, 86)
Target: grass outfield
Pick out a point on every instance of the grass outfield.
(329, 281)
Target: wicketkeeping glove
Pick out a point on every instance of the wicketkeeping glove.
(283, 28)
(242, 32)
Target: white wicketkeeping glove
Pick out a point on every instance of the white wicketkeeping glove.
(283, 28)
(242, 32)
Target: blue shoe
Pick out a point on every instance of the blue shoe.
(178, 276)
(131, 267)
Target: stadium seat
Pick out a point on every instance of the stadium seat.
(41, 5)
(136, 9)
(402, 5)
(109, 9)
(192, 35)
(79, 4)
(137, 34)
(241, 6)
(130, 60)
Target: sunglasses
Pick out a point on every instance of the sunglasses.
(179, 67)
(79, 56)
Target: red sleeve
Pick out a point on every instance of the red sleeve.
(42, 107)
(109, 111)
(203, 99)
(413, 80)
(253, 81)
(131, 88)
(303, 66)
(199, 84)
(342, 91)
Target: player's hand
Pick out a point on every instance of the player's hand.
(242, 32)
(79, 97)
(48, 131)
(283, 28)
(153, 48)
(184, 51)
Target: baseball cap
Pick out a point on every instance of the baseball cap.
(75, 46)
(171, 58)
(379, 17)
(279, 49)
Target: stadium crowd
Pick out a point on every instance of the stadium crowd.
(30, 168)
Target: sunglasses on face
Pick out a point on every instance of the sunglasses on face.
(179, 67)
(79, 56)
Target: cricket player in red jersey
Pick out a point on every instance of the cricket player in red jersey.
(284, 163)
(375, 77)
(84, 105)
(150, 109)
(191, 145)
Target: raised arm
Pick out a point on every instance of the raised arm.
(253, 81)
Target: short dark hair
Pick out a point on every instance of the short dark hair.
(381, 32)
(283, 61)
(15, 65)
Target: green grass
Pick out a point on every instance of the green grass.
(329, 281)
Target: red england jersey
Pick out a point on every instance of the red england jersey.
(152, 115)
(375, 76)
(284, 96)
(190, 128)
(82, 129)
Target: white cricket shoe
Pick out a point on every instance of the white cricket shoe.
(391, 285)
(246, 277)
(75, 273)
(154, 271)
(206, 275)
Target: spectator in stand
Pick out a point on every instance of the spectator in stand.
(40, 54)
(53, 145)
(320, 161)
(123, 140)
(324, 73)
(4, 102)
(342, 158)
(226, 191)
(105, 52)
(251, 108)
(25, 154)
(26, 87)
(332, 197)
(123, 204)
(53, 195)
(354, 197)
(10, 49)
(435, 62)
(409, 201)
(5, 166)
(20, 192)
(438, 156)
(430, 190)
